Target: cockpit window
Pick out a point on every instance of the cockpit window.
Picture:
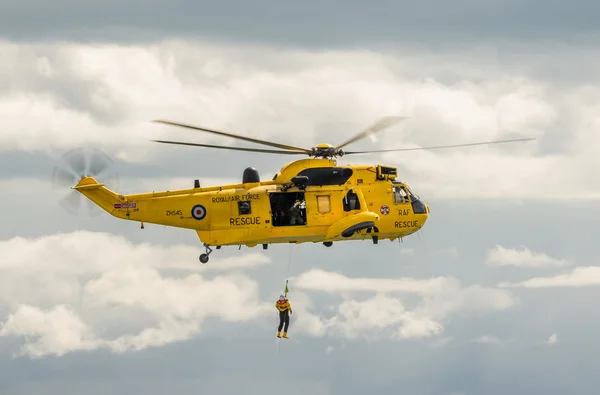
(400, 195)
(413, 195)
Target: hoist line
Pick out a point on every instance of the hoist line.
(289, 261)
(285, 293)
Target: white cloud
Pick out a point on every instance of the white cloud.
(56, 331)
(290, 96)
(375, 318)
(578, 277)
(384, 315)
(445, 293)
(168, 331)
(456, 298)
(99, 291)
(322, 280)
(86, 252)
(60, 330)
(380, 316)
(188, 298)
(522, 257)
(553, 339)
(98, 272)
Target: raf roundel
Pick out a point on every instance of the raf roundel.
(198, 212)
(385, 210)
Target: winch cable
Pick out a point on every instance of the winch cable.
(285, 292)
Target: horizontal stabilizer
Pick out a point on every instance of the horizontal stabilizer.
(87, 183)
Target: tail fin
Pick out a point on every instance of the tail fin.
(103, 197)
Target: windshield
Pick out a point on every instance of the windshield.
(413, 196)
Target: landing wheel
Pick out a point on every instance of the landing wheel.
(204, 257)
(328, 243)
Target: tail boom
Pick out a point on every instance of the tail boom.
(153, 208)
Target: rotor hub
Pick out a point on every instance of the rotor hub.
(326, 151)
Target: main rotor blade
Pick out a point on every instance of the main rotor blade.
(235, 136)
(378, 126)
(266, 151)
(439, 147)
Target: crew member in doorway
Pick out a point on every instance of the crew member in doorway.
(295, 217)
(285, 309)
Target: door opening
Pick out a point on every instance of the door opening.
(288, 208)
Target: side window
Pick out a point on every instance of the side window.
(244, 208)
(323, 204)
(400, 195)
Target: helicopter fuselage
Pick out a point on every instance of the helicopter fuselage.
(309, 200)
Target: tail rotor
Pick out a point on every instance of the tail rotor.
(75, 164)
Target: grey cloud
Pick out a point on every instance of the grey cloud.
(244, 362)
(322, 24)
(188, 163)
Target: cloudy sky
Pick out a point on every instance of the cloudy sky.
(498, 293)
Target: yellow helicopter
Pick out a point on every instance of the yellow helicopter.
(309, 200)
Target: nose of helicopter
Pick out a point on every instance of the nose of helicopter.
(420, 208)
(424, 215)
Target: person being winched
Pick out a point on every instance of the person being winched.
(285, 309)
